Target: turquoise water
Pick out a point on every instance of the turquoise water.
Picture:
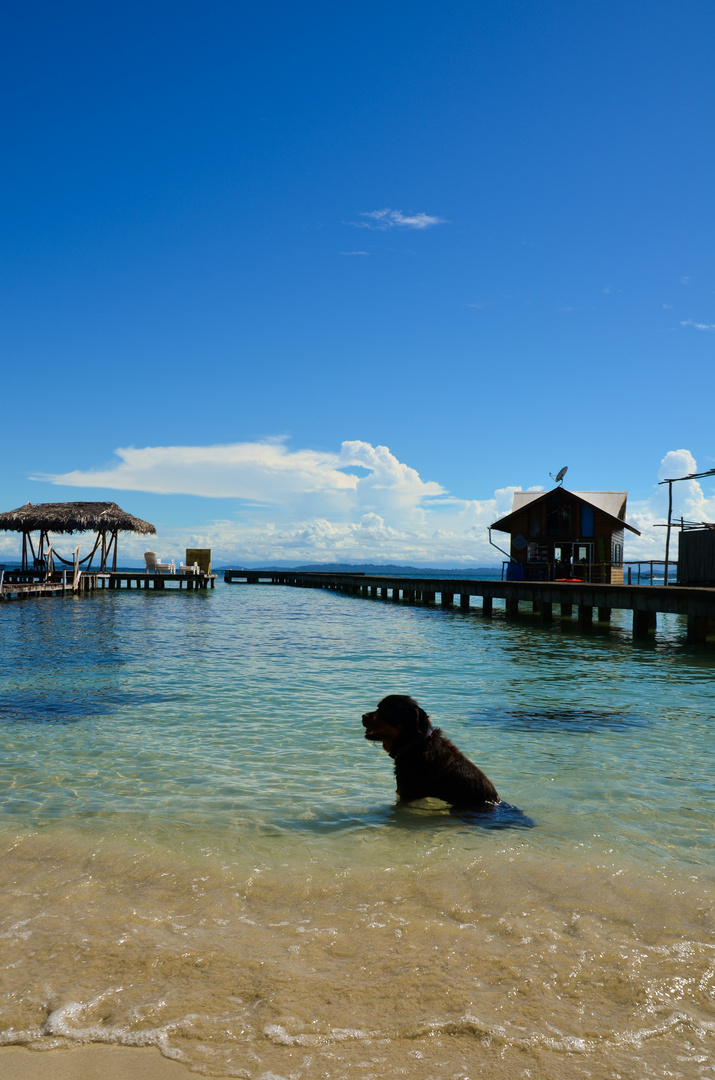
(203, 852)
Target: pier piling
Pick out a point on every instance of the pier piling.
(594, 601)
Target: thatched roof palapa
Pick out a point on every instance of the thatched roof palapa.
(72, 517)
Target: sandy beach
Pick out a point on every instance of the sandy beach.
(90, 1063)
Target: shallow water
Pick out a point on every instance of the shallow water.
(200, 851)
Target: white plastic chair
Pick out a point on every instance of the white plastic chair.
(154, 566)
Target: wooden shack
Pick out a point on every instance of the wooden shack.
(696, 555)
(562, 535)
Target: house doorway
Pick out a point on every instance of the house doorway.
(573, 560)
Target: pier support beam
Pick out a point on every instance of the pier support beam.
(545, 613)
(447, 598)
(697, 628)
(566, 610)
(585, 616)
(643, 621)
(604, 614)
(487, 606)
(464, 601)
(428, 597)
(512, 608)
(396, 595)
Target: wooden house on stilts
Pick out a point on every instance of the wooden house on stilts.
(566, 535)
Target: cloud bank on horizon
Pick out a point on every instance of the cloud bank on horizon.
(359, 504)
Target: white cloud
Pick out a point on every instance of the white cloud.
(698, 325)
(310, 506)
(268, 473)
(390, 219)
(649, 515)
(304, 504)
(264, 471)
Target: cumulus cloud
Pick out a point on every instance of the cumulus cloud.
(390, 219)
(690, 501)
(359, 503)
(264, 473)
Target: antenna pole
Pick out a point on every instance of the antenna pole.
(667, 535)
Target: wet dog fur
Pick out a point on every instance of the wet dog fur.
(426, 763)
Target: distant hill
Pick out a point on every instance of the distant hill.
(367, 568)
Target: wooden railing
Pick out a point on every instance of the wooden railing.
(643, 572)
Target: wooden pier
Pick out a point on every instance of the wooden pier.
(141, 579)
(594, 602)
(24, 583)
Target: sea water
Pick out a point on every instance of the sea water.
(200, 851)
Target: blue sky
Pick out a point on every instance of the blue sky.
(329, 281)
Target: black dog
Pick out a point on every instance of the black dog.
(426, 763)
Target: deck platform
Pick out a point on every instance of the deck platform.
(24, 583)
(594, 602)
(143, 579)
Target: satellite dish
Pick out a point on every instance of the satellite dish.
(560, 474)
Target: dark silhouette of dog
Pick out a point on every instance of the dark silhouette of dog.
(426, 763)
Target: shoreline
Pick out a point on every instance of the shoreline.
(91, 1062)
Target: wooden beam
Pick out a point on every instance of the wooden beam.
(643, 622)
(697, 628)
(585, 616)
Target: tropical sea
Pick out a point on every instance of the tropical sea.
(201, 852)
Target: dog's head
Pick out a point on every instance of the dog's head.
(397, 716)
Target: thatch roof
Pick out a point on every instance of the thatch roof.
(72, 517)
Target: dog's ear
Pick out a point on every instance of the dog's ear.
(423, 724)
(407, 713)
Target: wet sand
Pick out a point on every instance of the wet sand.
(501, 964)
(90, 1063)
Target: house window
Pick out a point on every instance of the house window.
(552, 517)
(586, 521)
(618, 554)
(535, 523)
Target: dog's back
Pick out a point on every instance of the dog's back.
(434, 767)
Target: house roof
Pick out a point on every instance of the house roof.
(611, 503)
(72, 517)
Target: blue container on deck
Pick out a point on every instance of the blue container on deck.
(514, 571)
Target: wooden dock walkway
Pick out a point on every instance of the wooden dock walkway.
(593, 602)
(23, 583)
